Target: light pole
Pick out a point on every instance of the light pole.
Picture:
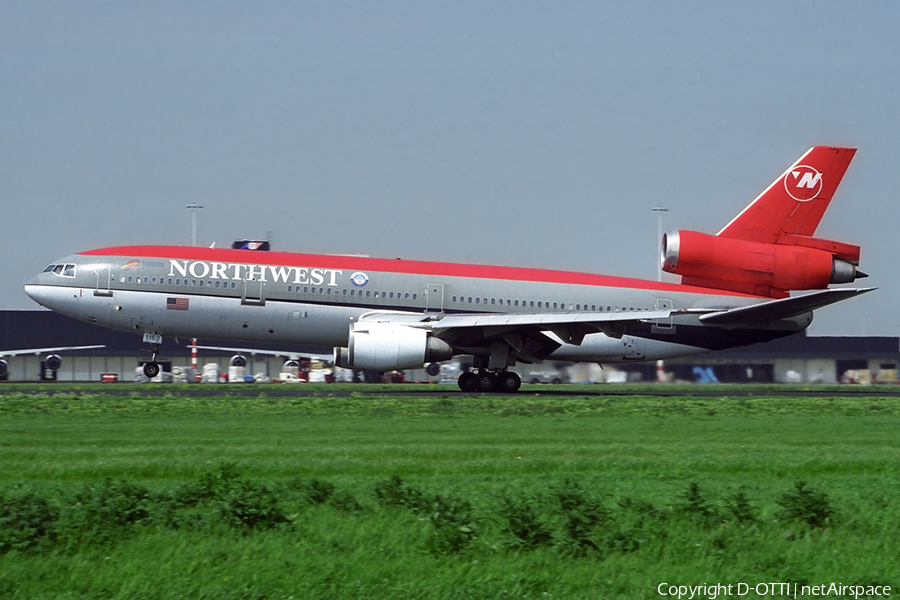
(194, 207)
(659, 210)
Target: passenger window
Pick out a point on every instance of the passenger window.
(368, 293)
(454, 298)
(593, 307)
(516, 303)
(194, 282)
(406, 297)
(477, 300)
(329, 291)
(170, 281)
(153, 281)
(392, 294)
(470, 299)
(130, 279)
(539, 304)
(344, 292)
(531, 304)
(415, 296)
(146, 280)
(554, 305)
(122, 279)
(493, 301)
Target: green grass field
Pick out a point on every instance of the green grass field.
(440, 495)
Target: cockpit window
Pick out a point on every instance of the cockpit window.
(66, 270)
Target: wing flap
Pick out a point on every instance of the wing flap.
(547, 320)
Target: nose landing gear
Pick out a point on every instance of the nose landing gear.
(489, 381)
(151, 369)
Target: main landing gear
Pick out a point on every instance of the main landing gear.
(489, 381)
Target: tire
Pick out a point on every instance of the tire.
(486, 382)
(468, 382)
(53, 362)
(151, 369)
(509, 382)
(433, 369)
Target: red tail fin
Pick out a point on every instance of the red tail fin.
(795, 202)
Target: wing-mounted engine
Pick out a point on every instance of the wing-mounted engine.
(795, 262)
(380, 346)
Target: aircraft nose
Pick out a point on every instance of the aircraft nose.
(34, 291)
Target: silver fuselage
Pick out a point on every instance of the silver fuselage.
(312, 300)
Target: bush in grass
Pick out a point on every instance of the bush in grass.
(739, 508)
(696, 508)
(99, 513)
(581, 515)
(246, 504)
(807, 505)
(394, 492)
(523, 522)
(224, 496)
(344, 501)
(318, 491)
(453, 525)
(27, 520)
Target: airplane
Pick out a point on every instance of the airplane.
(386, 314)
(52, 361)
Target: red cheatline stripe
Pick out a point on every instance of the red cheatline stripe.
(385, 265)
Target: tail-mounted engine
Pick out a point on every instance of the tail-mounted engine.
(794, 263)
(387, 346)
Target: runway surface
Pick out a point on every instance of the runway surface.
(425, 390)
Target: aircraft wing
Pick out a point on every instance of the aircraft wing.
(36, 351)
(548, 319)
(252, 351)
(784, 308)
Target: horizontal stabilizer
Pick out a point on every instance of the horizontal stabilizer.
(784, 308)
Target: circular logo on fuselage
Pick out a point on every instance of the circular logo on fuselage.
(803, 183)
(359, 279)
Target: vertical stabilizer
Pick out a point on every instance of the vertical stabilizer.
(795, 202)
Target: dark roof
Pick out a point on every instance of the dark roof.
(803, 346)
(20, 329)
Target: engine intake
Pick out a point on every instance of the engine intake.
(753, 267)
(388, 346)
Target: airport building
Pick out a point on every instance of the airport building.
(794, 359)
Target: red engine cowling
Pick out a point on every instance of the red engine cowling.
(752, 267)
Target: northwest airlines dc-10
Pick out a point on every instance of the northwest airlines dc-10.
(382, 314)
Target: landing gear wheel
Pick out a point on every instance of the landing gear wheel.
(509, 382)
(151, 369)
(468, 382)
(487, 382)
(433, 369)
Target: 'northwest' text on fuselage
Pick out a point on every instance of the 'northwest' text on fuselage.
(238, 272)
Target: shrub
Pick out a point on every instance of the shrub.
(393, 492)
(807, 505)
(581, 515)
(523, 523)
(102, 513)
(26, 520)
(738, 506)
(454, 525)
(696, 507)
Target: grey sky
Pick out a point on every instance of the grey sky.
(517, 133)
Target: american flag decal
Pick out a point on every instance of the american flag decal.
(177, 303)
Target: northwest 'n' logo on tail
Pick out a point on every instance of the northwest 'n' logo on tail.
(768, 249)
